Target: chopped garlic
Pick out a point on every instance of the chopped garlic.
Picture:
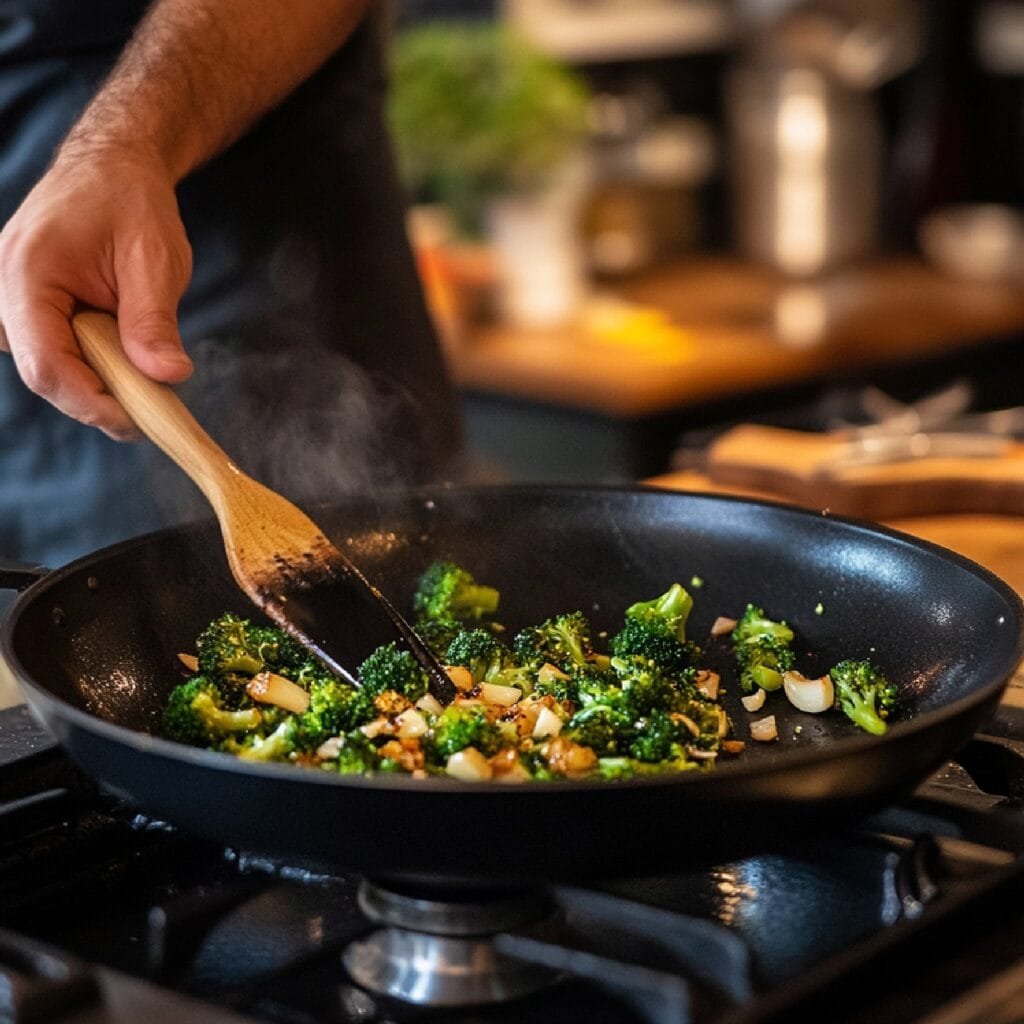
(811, 695)
(754, 701)
(269, 688)
(722, 625)
(429, 703)
(764, 729)
(504, 696)
(469, 765)
(547, 724)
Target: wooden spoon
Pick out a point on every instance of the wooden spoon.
(277, 554)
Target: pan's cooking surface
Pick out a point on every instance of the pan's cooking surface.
(102, 635)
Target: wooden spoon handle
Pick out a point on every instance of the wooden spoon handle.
(155, 408)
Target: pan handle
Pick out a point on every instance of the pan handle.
(18, 575)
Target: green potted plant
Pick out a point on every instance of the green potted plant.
(494, 130)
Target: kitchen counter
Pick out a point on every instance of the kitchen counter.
(713, 341)
(742, 327)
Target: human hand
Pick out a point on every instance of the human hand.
(100, 228)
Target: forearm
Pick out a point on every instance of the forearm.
(197, 73)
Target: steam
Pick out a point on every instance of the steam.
(302, 419)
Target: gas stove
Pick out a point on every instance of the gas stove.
(915, 915)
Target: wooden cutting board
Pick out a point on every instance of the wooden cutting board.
(799, 467)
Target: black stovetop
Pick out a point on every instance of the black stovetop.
(107, 916)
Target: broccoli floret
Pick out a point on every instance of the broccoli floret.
(864, 694)
(563, 641)
(459, 727)
(481, 652)
(334, 708)
(195, 713)
(392, 668)
(762, 650)
(357, 755)
(595, 688)
(447, 591)
(278, 745)
(437, 634)
(613, 768)
(637, 640)
(646, 687)
(232, 645)
(553, 682)
(602, 728)
(665, 615)
(659, 738)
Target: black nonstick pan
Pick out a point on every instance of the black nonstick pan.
(94, 647)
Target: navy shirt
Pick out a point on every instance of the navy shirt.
(316, 366)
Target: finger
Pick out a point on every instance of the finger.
(148, 293)
(50, 363)
(4, 347)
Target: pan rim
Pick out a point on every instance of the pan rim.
(149, 744)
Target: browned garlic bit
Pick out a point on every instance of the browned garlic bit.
(707, 682)
(722, 625)
(190, 661)
(569, 758)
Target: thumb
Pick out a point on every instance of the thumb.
(148, 322)
(151, 341)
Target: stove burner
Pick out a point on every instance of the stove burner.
(441, 951)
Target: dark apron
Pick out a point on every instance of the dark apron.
(317, 368)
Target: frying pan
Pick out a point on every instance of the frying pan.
(94, 647)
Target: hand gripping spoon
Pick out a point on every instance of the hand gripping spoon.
(279, 557)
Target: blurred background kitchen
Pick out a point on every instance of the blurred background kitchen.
(642, 222)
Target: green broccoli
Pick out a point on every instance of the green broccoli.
(459, 727)
(646, 687)
(762, 650)
(481, 652)
(447, 591)
(437, 634)
(659, 738)
(357, 755)
(864, 694)
(602, 728)
(665, 615)
(637, 639)
(617, 768)
(334, 708)
(563, 641)
(391, 668)
(278, 745)
(232, 645)
(196, 714)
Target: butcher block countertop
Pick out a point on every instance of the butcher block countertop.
(707, 329)
(994, 541)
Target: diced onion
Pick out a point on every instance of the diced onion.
(429, 703)
(754, 701)
(410, 725)
(722, 625)
(547, 724)
(811, 695)
(460, 676)
(190, 661)
(469, 765)
(270, 688)
(764, 729)
(504, 696)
